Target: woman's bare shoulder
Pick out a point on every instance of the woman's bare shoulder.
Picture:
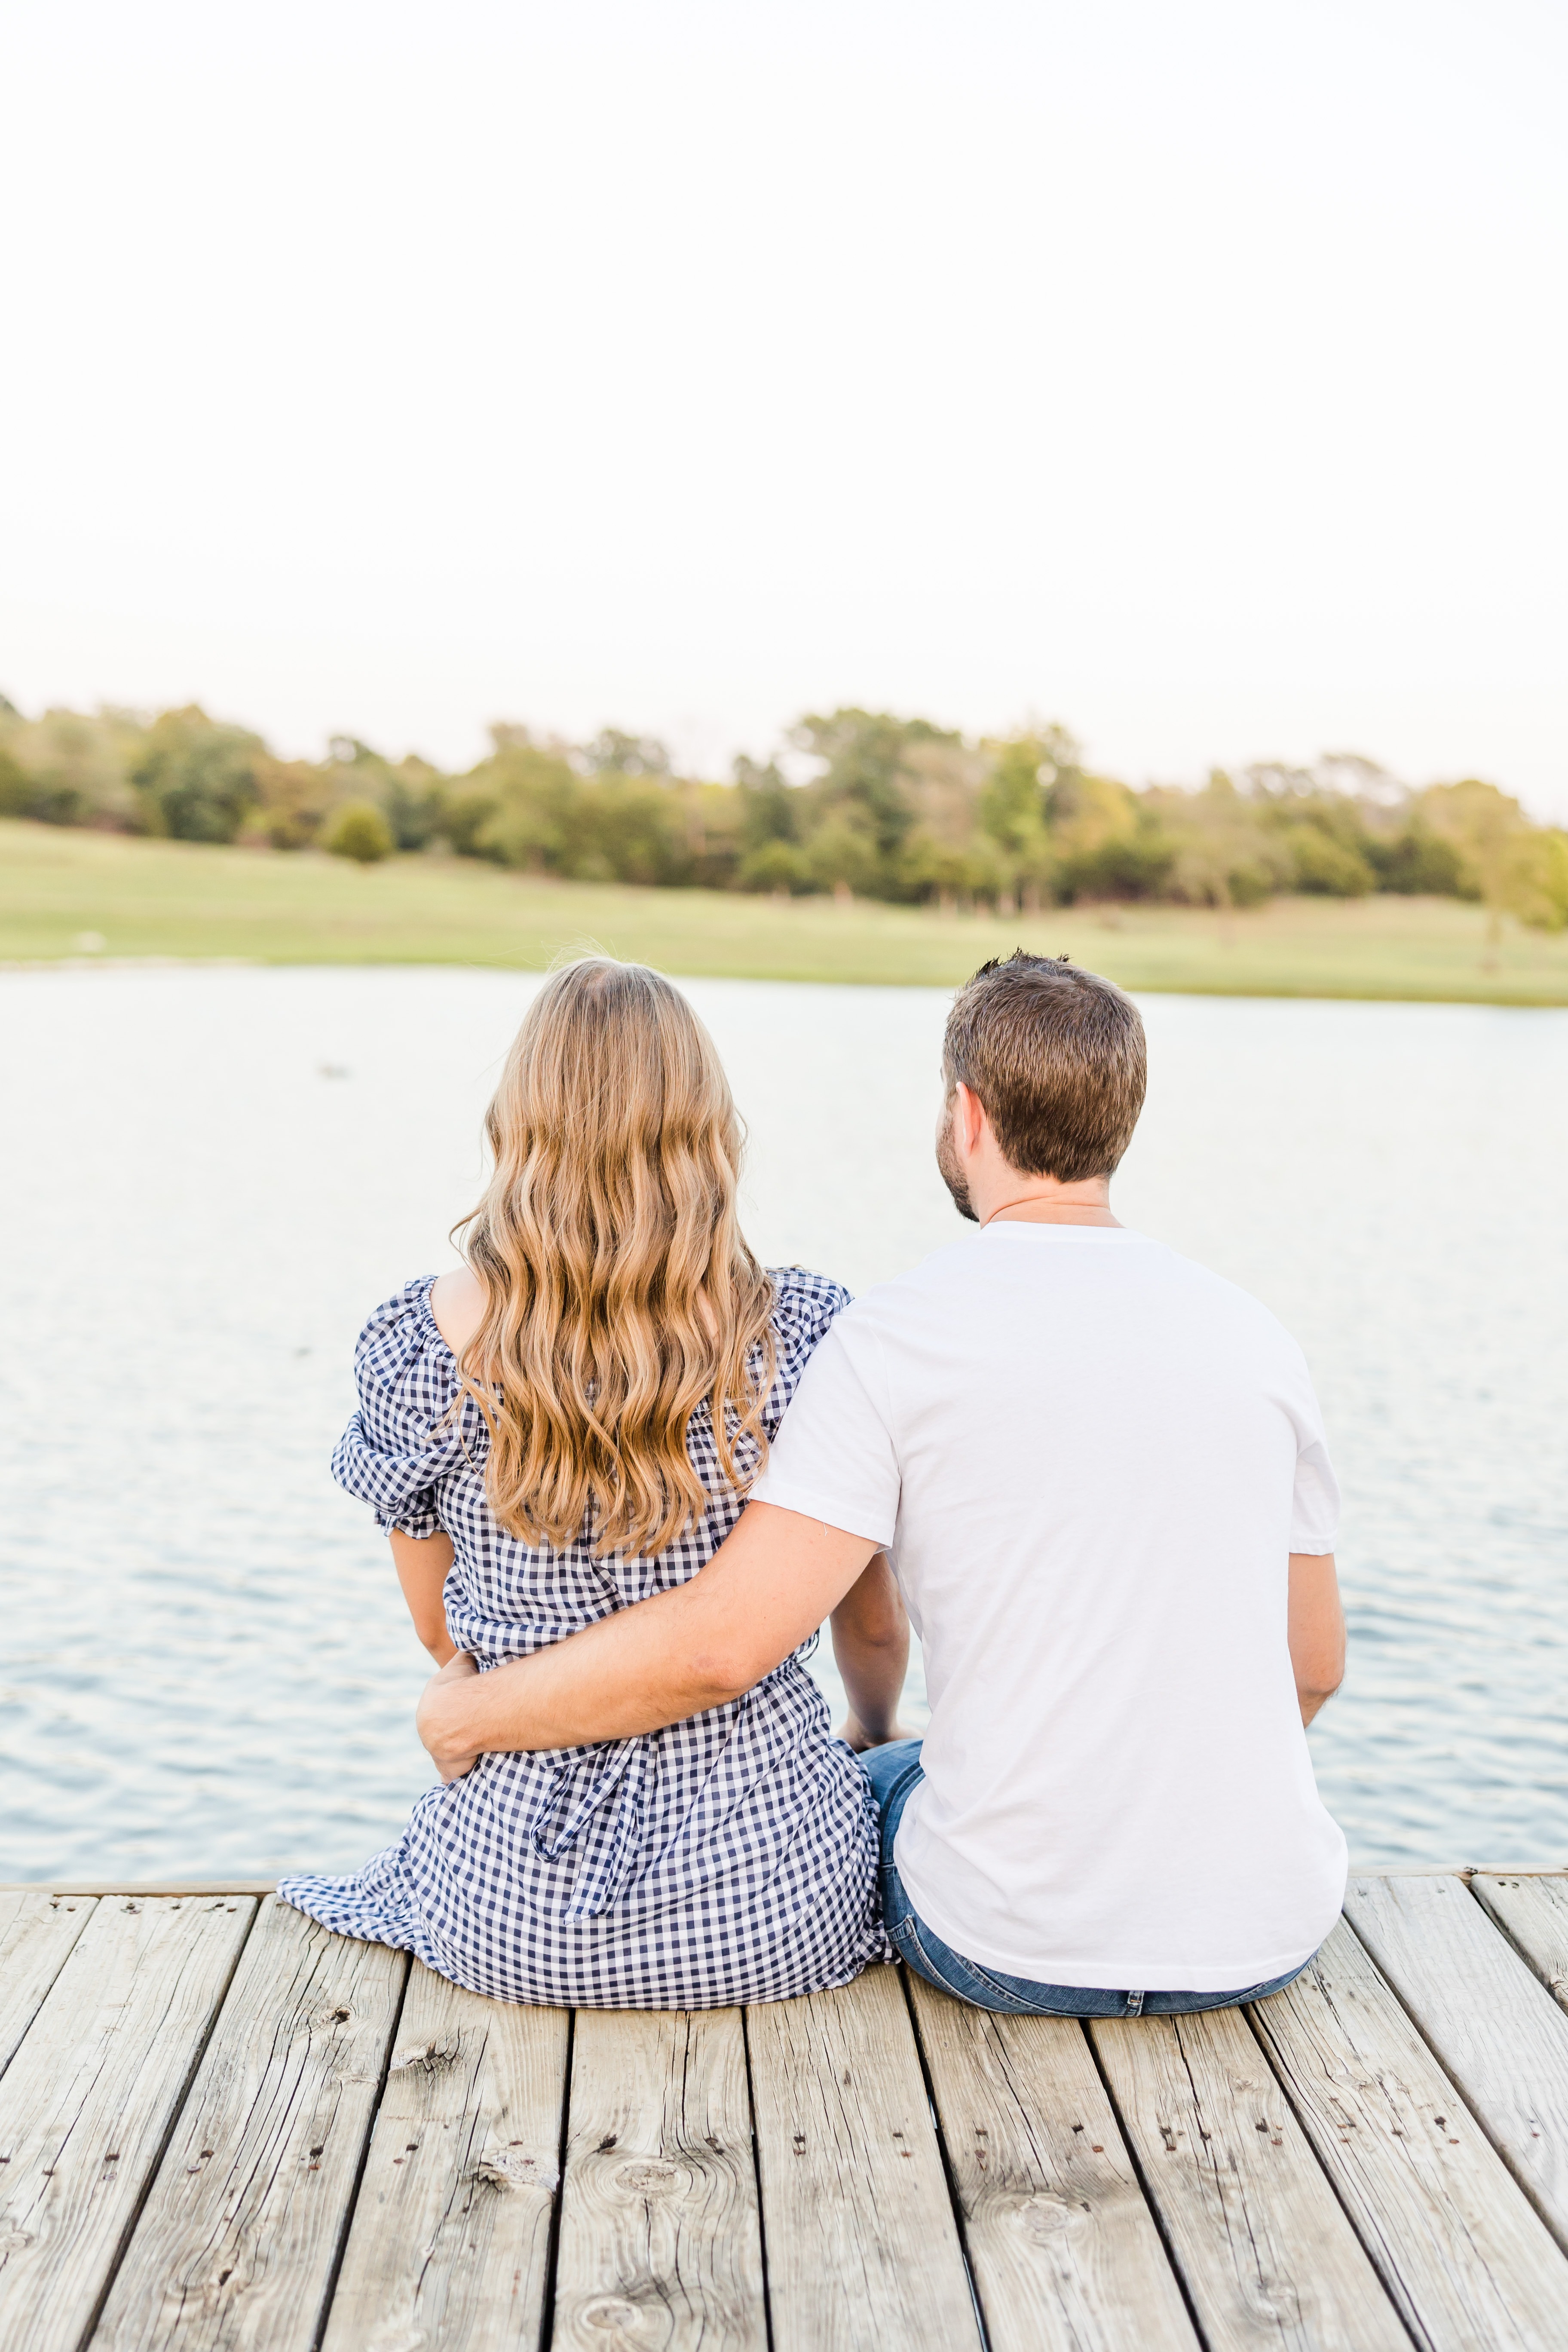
(457, 1303)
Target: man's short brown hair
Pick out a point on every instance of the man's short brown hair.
(1056, 1056)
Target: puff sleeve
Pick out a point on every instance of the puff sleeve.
(805, 1307)
(412, 1427)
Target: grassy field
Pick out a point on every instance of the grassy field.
(90, 895)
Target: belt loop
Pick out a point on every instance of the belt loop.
(1134, 2004)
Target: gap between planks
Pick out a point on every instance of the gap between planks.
(1478, 1999)
(239, 2236)
(150, 1893)
(1063, 2250)
(95, 2093)
(1460, 2249)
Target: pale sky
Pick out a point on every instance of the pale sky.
(1194, 374)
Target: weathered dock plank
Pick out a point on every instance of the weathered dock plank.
(1065, 2254)
(1533, 1911)
(1263, 2245)
(1459, 2246)
(87, 2102)
(1494, 2026)
(862, 2245)
(242, 2227)
(37, 1931)
(449, 2244)
(659, 2240)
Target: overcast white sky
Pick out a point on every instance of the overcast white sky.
(1194, 374)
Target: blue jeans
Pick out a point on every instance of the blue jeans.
(895, 1774)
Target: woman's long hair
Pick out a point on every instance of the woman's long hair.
(620, 1293)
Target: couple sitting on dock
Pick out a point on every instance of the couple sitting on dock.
(628, 1472)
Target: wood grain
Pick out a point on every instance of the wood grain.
(1457, 2245)
(88, 2101)
(1494, 2026)
(241, 2230)
(862, 2246)
(38, 1930)
(659, 2240)
(1065, 2253)
(1267, 2255)
(1532, 1910)
(449, 2244)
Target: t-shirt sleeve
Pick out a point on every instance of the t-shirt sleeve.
(1315, 1506)
(834, 1457)
(1315, 1497)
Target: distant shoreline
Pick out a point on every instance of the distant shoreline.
(98, 900)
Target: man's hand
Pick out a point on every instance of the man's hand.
(856, 1737)
(440, 1721)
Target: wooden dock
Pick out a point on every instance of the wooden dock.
(221, 2126)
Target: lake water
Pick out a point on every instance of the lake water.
(208, 1176)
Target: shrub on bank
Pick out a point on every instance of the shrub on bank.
(359, 830)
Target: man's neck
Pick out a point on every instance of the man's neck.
(1039, 1202)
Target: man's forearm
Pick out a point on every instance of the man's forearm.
(871, 1651)
(1316, 1630)
(607, 1682)
(767, 1588)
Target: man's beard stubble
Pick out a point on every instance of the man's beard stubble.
(951, 1175)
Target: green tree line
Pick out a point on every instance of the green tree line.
(872, 806)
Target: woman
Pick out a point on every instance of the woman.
(568, 1424)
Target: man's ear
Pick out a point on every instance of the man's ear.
(970, 1114)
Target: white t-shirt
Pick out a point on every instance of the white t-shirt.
(1090, 1460)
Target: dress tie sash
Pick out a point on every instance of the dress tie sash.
(576, 1810)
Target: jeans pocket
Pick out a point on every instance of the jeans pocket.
(913, 1948)
(954, 1974)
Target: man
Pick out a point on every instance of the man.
(1099, 1472)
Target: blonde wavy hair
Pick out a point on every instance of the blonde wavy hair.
(620, 1293)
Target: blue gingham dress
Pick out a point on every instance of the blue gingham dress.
(728, 1858)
